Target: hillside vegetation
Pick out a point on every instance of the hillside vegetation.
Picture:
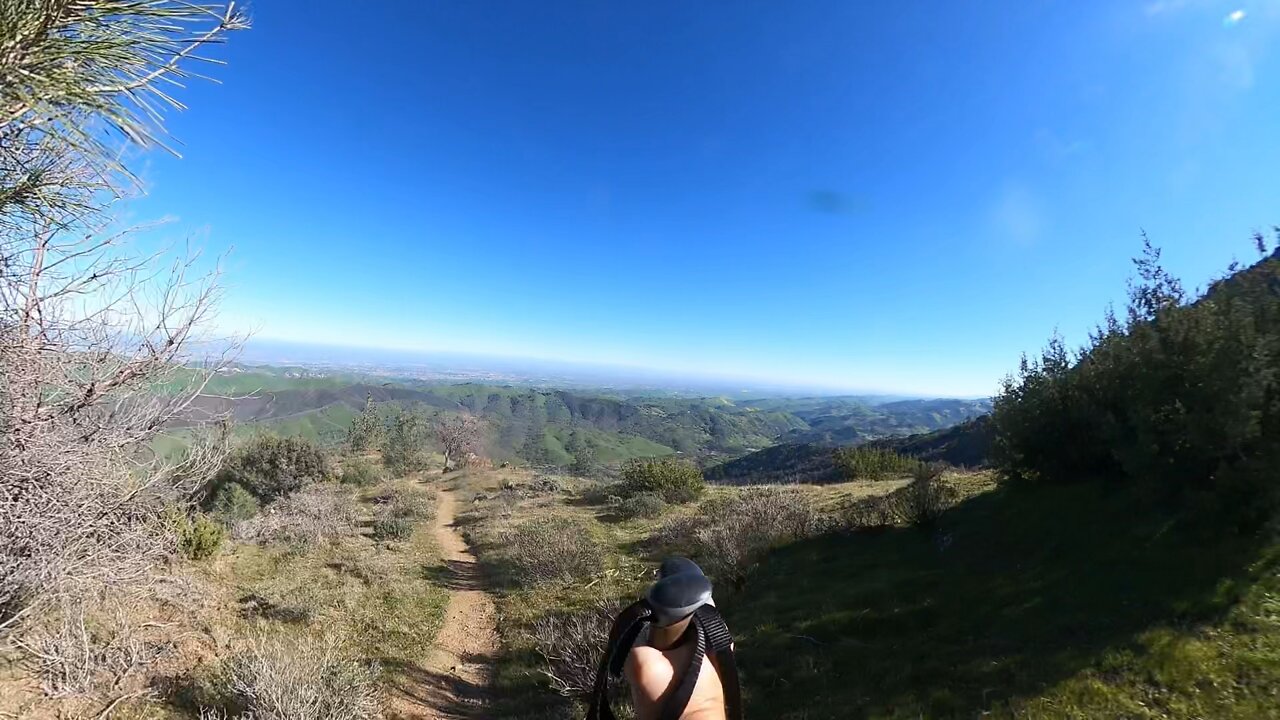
(539, 426)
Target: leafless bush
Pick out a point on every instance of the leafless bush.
(93, 335)
(313, 515)
(570, 645)
(304, 678)
(550, 549)
(730, 535)
(459, 438)
(406, 503)
(71, 659)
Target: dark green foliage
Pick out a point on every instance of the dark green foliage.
(270, 466)
(674, 480)
(872, 463)
(361, 473)
(392, 528)
(642, 505)
(232, 503)
(367, 431)
(1183, 395)
(199, 536)
(584, 456)
(408, 443)
(965, 445)
(787, 463)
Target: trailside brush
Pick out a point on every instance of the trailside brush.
(678, 608)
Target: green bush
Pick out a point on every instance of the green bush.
(408, 443)
(642, 505)
(361, 473)
(392, 528)
(232, 503)
(199, 536)
(1180, 394)
(676, 481)
(270, 466)
(869, 463)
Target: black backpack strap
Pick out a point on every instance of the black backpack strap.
(720, 647)
(679, 700)
(621, 637)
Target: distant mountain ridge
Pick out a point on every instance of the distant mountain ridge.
(536, 424)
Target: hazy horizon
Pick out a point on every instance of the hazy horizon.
(558, 372)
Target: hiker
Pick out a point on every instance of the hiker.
(675, 651)
(653, 673)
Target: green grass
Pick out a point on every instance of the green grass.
(1039, 602)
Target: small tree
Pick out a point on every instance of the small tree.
(367, 431)
(584, 456)
(407, 443)
(459, 436)
(91, 328)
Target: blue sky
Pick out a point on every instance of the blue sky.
(884, 196)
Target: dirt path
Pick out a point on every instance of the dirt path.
(454, 680)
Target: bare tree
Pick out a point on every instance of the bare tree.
(100, 345)
(459, 438)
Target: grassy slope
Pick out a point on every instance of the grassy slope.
(1051, 602)
(628, 569)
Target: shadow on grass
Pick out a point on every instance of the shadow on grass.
(1033, 585)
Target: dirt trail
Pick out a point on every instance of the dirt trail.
(455, 677)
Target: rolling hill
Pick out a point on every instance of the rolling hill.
(535, 424)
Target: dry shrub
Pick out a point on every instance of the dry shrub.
(406, 503)
(306, 517)
(550, 549)
(302, 678)
(920, 504)
(74, 655)
(642, 505)
(730, 535)
(91, 326)
(571, 644)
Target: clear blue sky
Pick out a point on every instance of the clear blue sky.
(892, 196)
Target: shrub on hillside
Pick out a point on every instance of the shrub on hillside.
(676, 480)
(871, 463)
(301, 678)
(361, 473)
(1181, 392)
(392, 528)
(408, 443)
(730, 535)
(407, 503)
(232, 503)
(552, 549)
(570, 645)
(81, 655)
(642, 505)
(270, 466)
(199, 536)
(303, 518)
(921, 503)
